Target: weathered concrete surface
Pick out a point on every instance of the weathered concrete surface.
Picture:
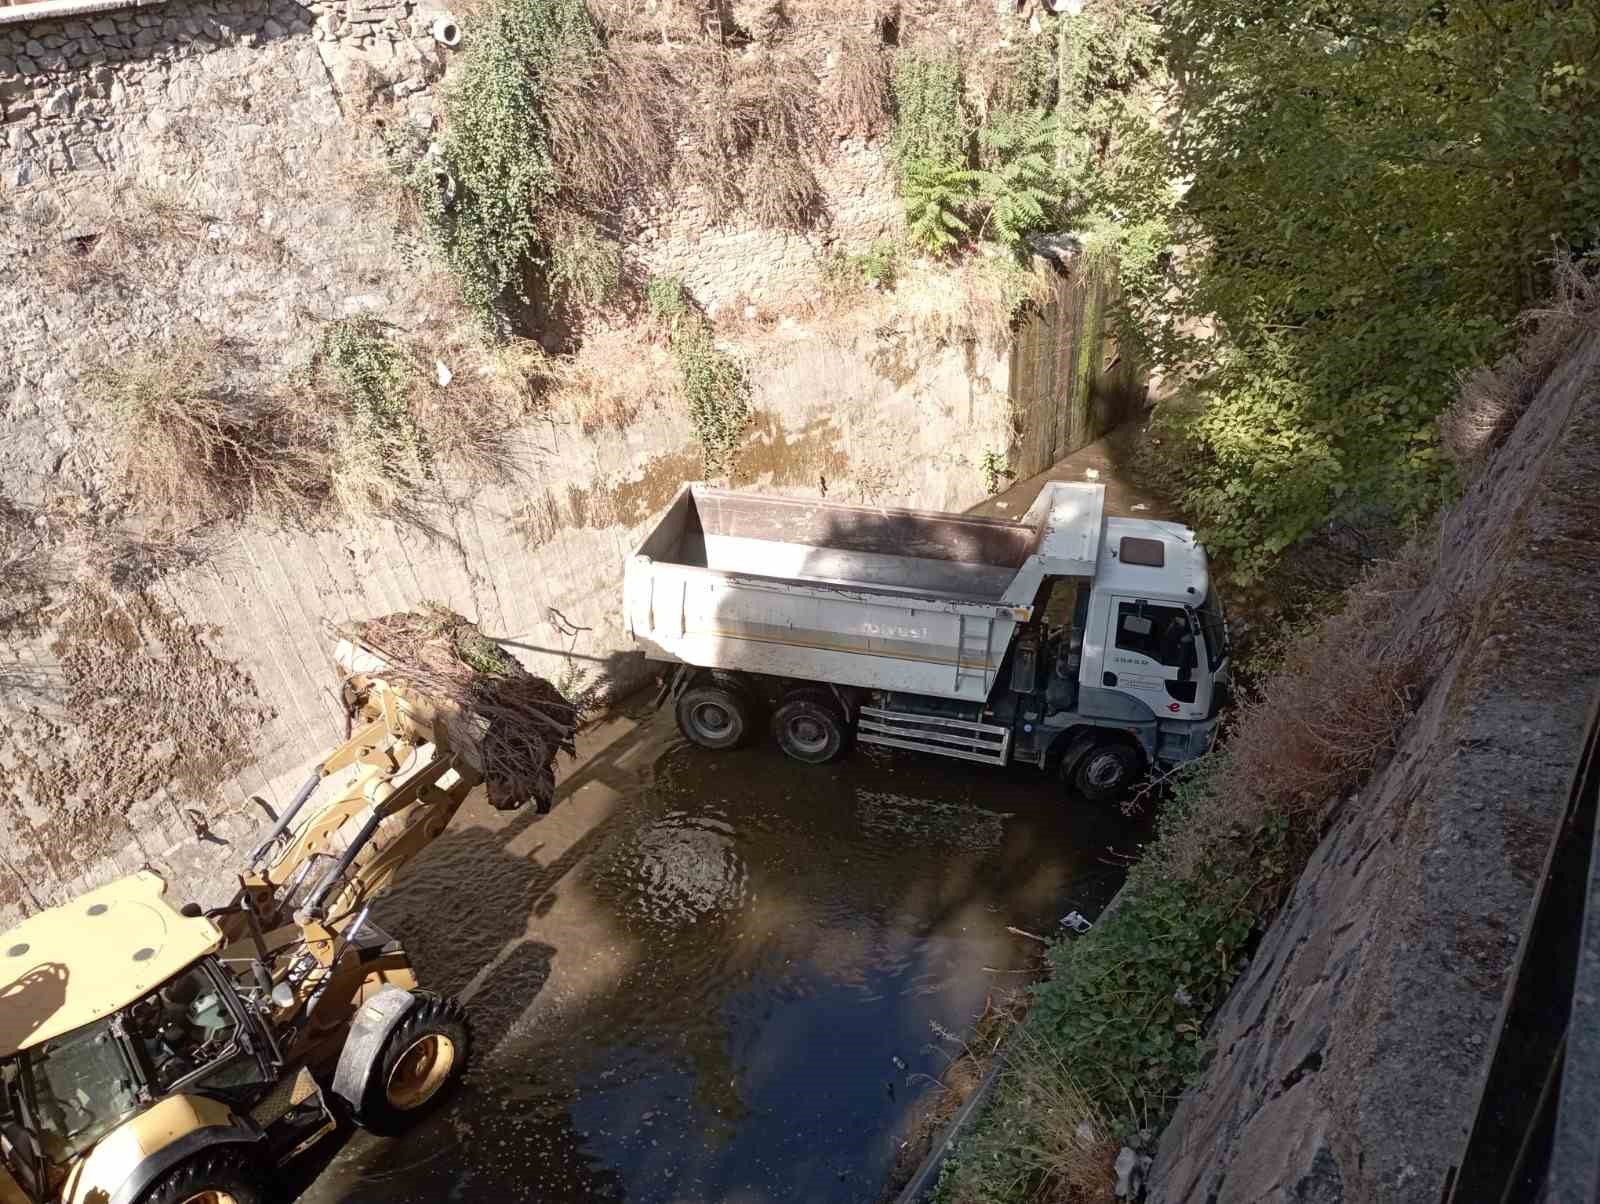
(96, 777)
(1351, 1052)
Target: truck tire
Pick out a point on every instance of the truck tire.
(714, 715)
(420, 1061)
(1105, 770)
(809, 727)
(227, 1174)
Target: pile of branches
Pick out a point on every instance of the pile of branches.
(524, 721)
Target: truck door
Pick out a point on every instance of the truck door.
(1145, 657)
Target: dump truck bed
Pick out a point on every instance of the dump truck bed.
(909, 600)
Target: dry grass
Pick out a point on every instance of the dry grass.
(782, 192)
(977, 297)
(191, 442)
(1325, 719)
(25, 564)
(1493, 399)
(763, 21)
(612, 380)
(107, 241)
(859, 100)
(526, 721)
(750, 131)
(610, 126)
(1056, 1144)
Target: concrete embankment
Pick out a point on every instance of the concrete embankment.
(1352, 1051)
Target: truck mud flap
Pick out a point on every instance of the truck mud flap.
(986, 743)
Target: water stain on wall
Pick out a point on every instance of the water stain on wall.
(772, 457)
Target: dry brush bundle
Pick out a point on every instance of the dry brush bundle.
(859, 99)
(750, 135)
(525, 721)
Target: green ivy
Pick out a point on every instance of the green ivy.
(715, 385)
(376, 378)
(718, 392)
(667, 299)
(494, 151)
(931, 128)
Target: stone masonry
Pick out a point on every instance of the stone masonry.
(1351, 1052)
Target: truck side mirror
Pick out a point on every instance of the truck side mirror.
(1189, 659)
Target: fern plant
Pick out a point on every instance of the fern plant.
(1018, 182)
(938, 199)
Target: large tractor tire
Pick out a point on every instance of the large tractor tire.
(420, 1062)
(715, 714)
(809, 726)
(226, 1174)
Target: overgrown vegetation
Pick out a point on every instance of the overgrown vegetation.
(1123, 1016)
(995, 470)
(1348, 246)
(845, 273)
(380, 452)
(483, 194)
(202, 432)
(714, 385)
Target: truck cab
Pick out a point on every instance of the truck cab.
(1138, 648)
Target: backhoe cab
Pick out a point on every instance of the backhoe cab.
(157, 1055)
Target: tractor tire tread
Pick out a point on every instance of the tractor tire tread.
(229, 1168)
(433, 1013)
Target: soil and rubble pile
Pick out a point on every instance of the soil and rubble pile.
(525, 721)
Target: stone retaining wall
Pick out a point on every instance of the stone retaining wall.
(1351, 1052)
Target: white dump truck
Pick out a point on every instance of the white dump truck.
(1089, 646)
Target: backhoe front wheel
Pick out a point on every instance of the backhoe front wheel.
(421, 1060)
(228, 1175)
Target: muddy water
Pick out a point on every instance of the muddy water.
(720, 978)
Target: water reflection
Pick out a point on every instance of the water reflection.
(739, 966)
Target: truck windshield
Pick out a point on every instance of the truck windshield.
(82, 1088)
(1213, 625)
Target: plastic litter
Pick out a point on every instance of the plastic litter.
(1077, 921)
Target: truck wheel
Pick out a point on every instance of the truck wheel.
(714, 716)
(223, 1175)
(1105, 771)
(808, 726)
(421, 1059)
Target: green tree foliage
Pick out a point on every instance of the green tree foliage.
(1374, 184)
(1019, 186)
(494, 149)
(937, 198)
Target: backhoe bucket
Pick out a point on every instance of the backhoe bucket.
(410, 713)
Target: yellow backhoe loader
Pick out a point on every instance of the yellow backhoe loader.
(151, 1054)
